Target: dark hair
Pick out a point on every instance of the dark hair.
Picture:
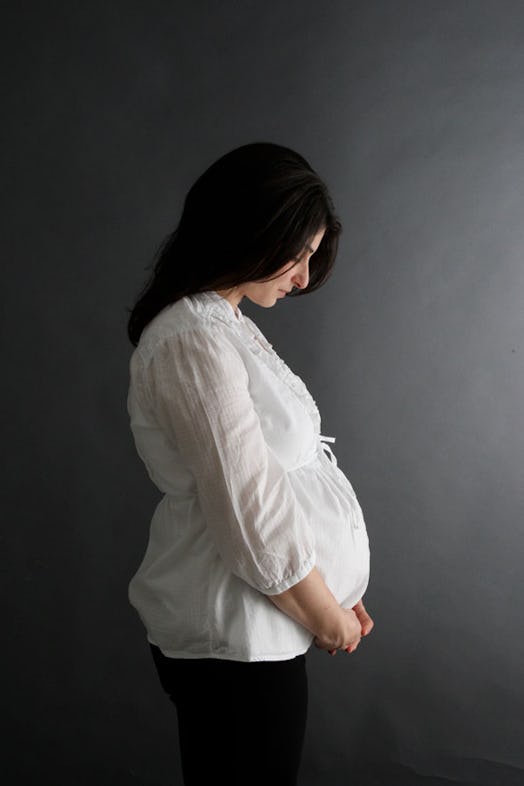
(246, 216)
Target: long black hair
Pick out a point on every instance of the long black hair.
(250, 213)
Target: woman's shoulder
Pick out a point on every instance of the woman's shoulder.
(205, 314)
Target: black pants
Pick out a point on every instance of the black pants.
(239, 723)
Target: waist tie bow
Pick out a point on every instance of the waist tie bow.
(326, 448)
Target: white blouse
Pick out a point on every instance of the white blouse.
(253, 498)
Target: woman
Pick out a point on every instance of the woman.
(258, 547)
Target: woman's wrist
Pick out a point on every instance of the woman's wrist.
(311, 603)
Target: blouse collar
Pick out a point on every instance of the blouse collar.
(219, 306)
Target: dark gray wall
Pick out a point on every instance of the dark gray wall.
(413, 111)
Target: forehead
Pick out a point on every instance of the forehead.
(314, 242)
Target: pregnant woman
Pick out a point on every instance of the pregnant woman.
(258, 547)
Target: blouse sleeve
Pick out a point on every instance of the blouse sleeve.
(198, 390)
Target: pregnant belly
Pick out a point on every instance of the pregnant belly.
(335, 517)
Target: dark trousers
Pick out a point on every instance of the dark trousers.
(239, 723)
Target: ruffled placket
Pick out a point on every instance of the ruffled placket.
(257, 343)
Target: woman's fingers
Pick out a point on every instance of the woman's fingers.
(366, 623)
(352, 647)
(356, 624)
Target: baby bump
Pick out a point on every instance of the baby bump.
(335, 517)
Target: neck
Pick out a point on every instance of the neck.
(232, 298)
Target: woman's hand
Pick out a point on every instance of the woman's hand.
(366, 623)
(348, 634)
(311, 603)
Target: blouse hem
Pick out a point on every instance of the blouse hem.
(269, 656)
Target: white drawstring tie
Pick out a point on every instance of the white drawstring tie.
(326, 448)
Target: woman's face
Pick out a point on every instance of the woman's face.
(266, 293)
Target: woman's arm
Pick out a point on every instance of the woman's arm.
(197, 385)
(311, 603)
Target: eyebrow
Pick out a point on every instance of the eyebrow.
(308, 248)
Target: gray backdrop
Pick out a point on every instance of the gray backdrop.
(413, 111)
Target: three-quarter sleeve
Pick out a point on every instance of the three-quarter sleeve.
(198, 390)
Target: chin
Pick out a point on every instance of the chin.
(266, 302)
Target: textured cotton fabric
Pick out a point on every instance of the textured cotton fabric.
(252, 496)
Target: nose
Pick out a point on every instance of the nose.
(300, 277)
